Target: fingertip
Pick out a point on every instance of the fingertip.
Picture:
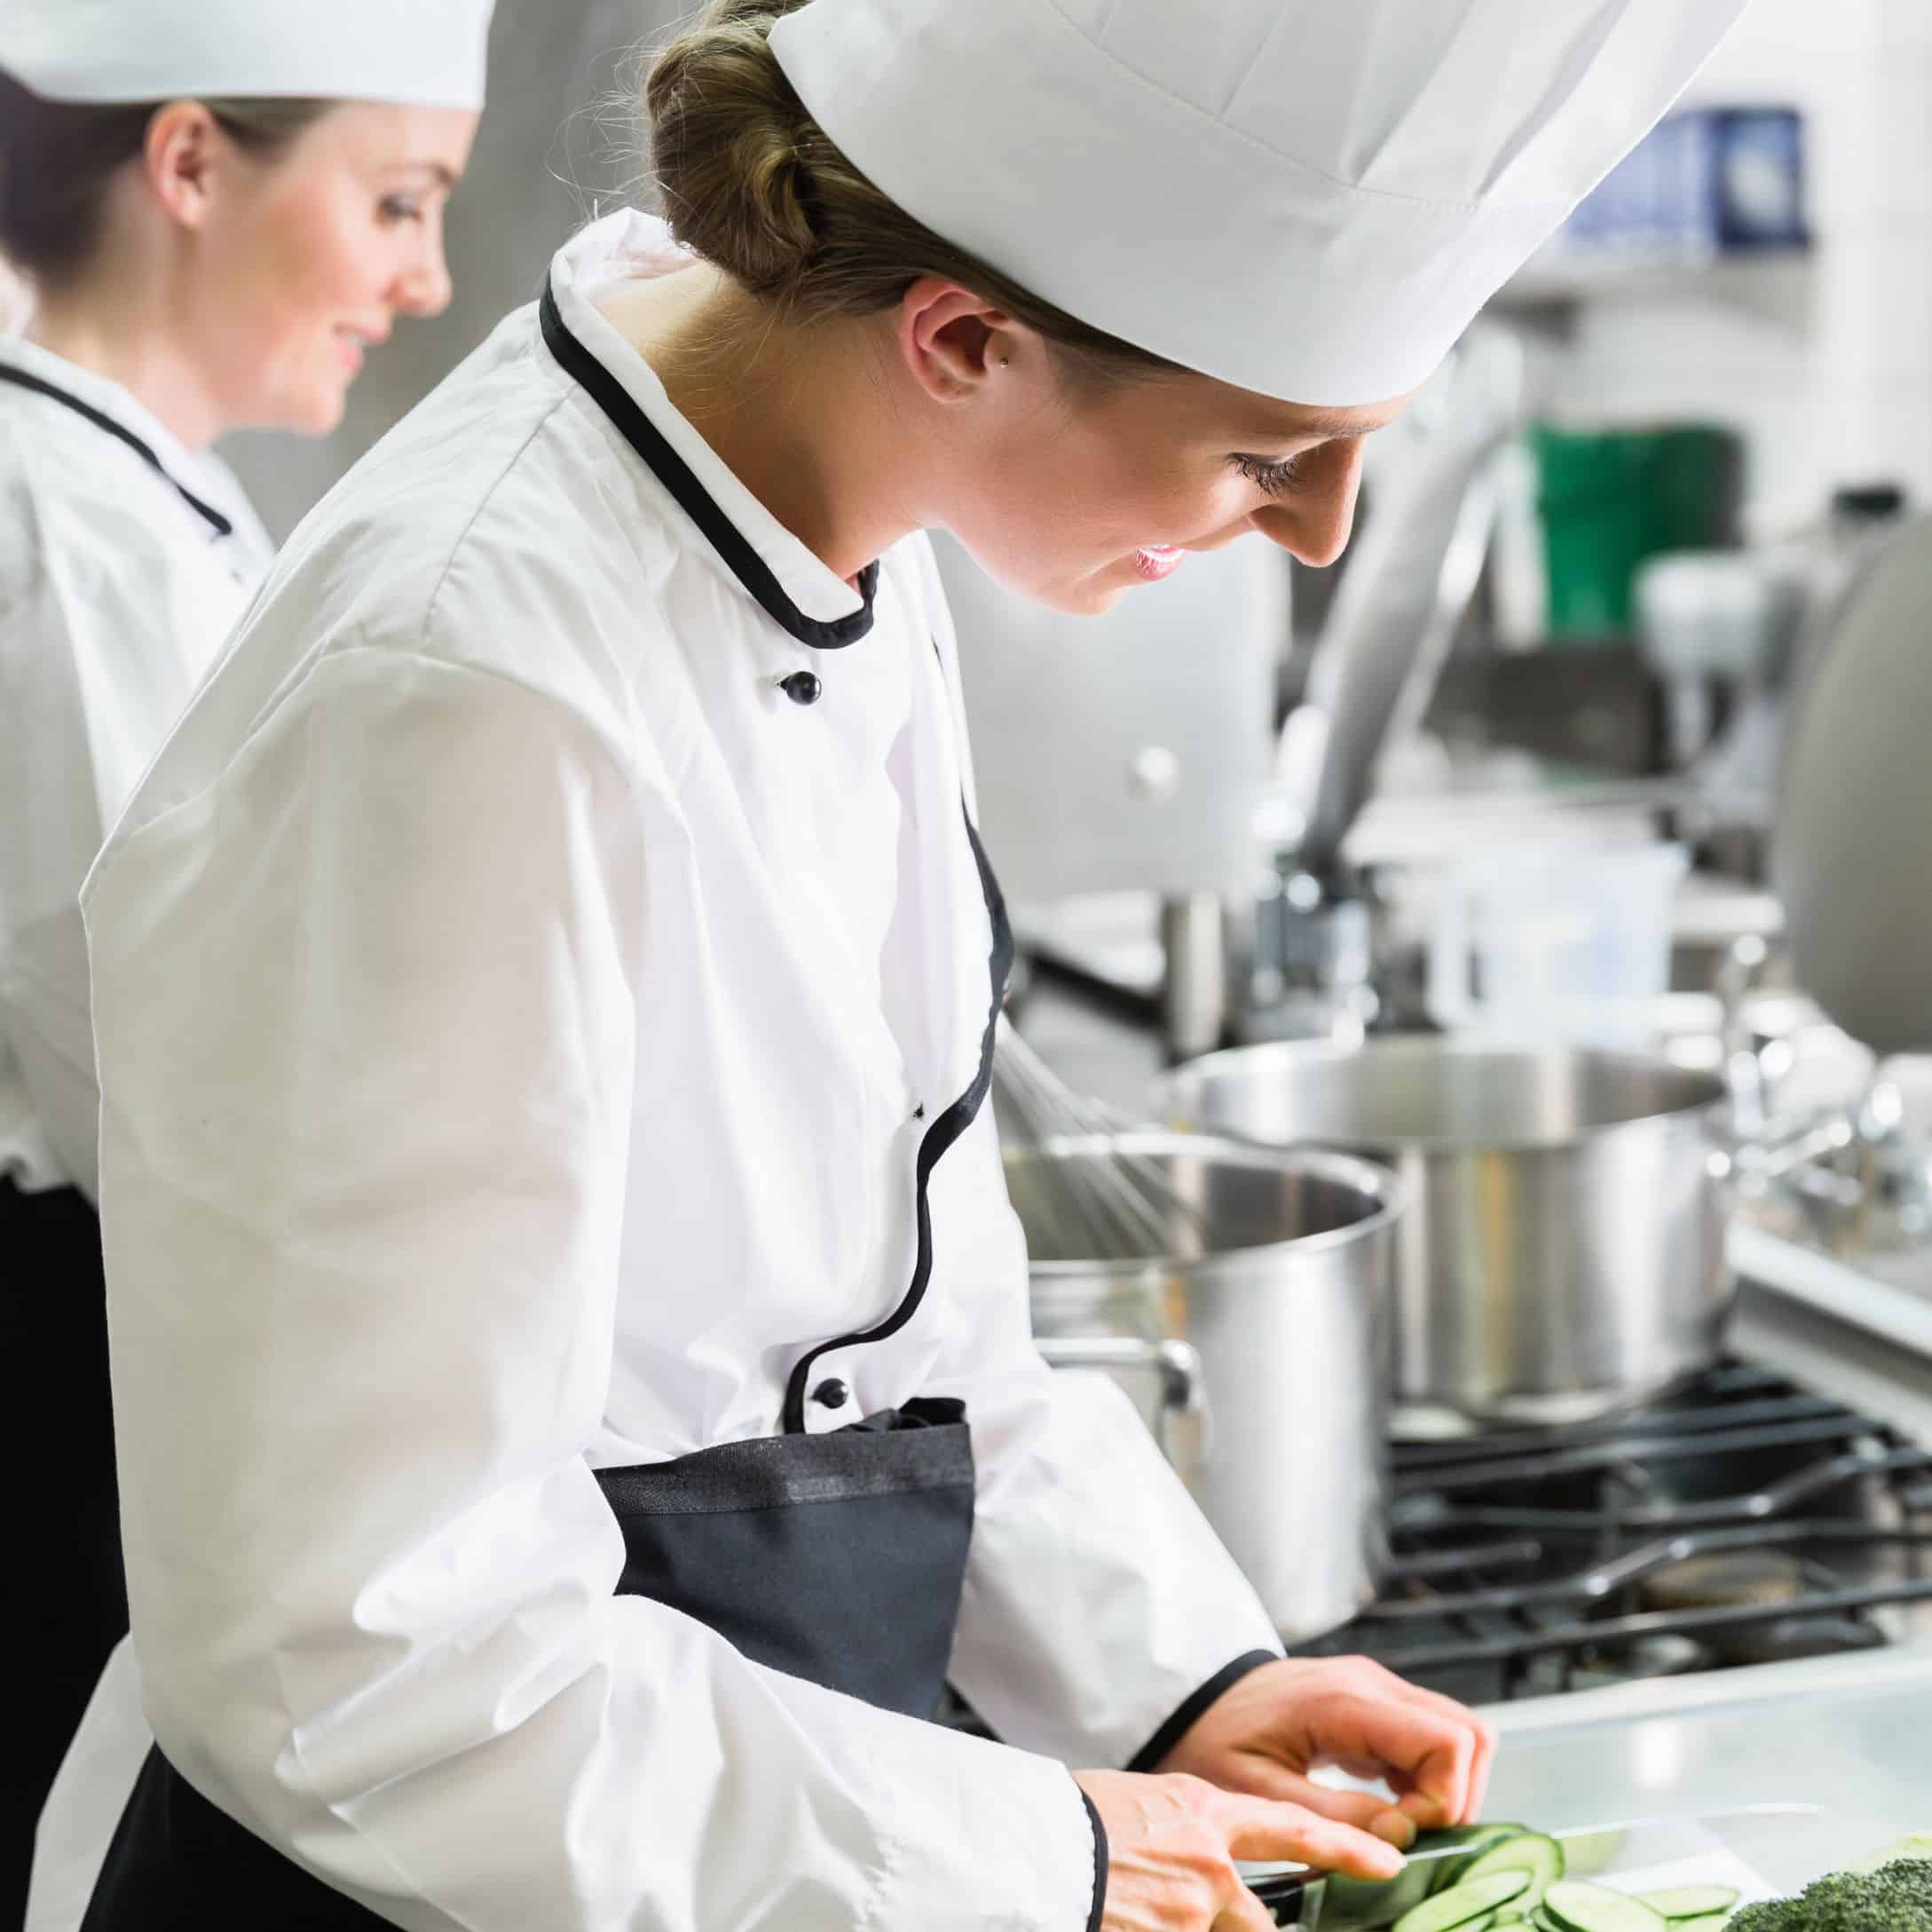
(1396, 1827)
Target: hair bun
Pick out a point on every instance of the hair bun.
(726, 141)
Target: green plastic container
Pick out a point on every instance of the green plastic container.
(1611, 498)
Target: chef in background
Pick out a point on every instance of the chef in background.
(572, 1365)
(213, 215)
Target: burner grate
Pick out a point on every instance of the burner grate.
(1740, 1521)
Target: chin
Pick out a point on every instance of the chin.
(1089, 597)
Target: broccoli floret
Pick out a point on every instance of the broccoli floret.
(1896, 1899)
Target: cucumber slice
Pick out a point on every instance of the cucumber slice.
(1530, 1851)
(1458, 1907)
(1591, 1908)
(1693, 1902)
(1471, 1840)
(1715, 1922)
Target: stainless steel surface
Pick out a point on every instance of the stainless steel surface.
(1852, 848)
(1408, 584)
(1112, 1208)
(1174, 1366)
(1126, 750)
(1288, 1307)
(1194, 992)
(1563, 1253)
(1848, 1733)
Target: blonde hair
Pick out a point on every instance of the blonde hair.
(751, 182)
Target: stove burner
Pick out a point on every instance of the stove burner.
(1750, 1576)
(1741, 1520)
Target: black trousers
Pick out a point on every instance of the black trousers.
(68, 1606)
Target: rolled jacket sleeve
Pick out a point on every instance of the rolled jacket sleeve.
(365, 1011)
(1101, 1612)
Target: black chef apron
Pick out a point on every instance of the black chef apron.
(69, 1606)
(837, 1556)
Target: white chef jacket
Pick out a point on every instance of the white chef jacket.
(519, 1022)
(115, 594)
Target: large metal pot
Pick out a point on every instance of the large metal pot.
(1276, 1276)
(1563, 1250)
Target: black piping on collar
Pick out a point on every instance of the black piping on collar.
(676, 474)
(99, 418)
(939, 1137)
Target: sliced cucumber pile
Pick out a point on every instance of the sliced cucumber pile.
(1503, 1878)
(1474, 1902)
(1693, 1903)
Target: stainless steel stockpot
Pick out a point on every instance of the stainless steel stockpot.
(1270, 1309)
(1563, 1250)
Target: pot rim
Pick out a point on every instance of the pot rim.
(1167, 1091)
(1384, 1190)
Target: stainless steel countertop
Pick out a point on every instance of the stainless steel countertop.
(1853, 1734)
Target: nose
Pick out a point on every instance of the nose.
(424, 287)
(1313, 525)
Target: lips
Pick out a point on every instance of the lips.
(354, 342)
(1155, 561)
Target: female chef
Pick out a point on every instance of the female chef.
(572, 1366)
(215, 224)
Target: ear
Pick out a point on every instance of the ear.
(954, 341)
(184, 158)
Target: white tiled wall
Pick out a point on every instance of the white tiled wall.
(1827, 365)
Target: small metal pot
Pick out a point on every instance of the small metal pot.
(1563, 1254)
(1269, 1312)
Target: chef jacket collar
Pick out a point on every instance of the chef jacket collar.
(797, 589)
(114, 412)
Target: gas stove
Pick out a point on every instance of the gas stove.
(1743, 1520)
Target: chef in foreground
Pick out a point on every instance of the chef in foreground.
(574, 1395)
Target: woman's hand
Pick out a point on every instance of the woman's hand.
(1173, 1840)
(1274, 1726)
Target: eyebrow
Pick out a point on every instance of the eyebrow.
(442, 174)
(1325, 426)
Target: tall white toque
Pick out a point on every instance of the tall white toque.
(1306, 197)
(422, 53)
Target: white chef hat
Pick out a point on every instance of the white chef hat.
(424, 53)
(1306, 197)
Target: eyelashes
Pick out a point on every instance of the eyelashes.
(397, 208)
(1276, 478)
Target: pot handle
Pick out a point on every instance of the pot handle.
(1178, 1364)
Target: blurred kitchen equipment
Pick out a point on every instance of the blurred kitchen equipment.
(1286, 1302)
(1124, 753)
(1121, 1209)
(1610, 498)
(1852, 860)
(1562, 941)
(1562, 1254)
(1750, 623)
(1852, 846)
(1708, 620)
(1409, 582)
(1702, 182)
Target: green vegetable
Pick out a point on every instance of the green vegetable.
(1591, 1908)
(1527, 1851)
(1693, 1902)
(1715, 1921)
(1898, 1898)
(1457, 1908)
